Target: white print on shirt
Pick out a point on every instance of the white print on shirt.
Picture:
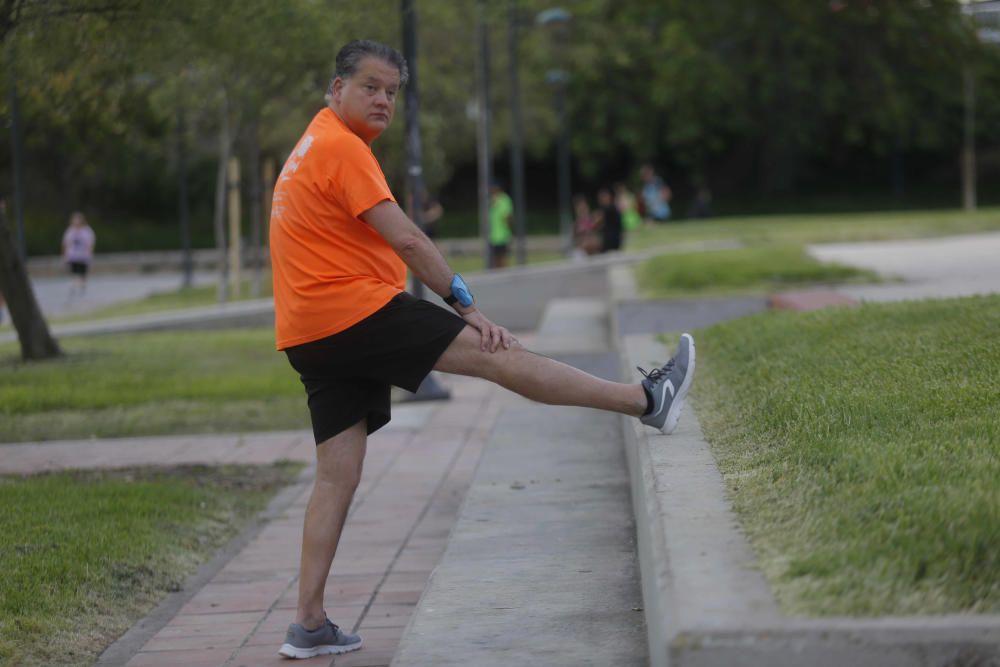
(277, 205)
(295, 159)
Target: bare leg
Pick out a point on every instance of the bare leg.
(338, 470)
(539, 378)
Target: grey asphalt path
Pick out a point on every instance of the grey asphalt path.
(944, 267)
(55, 300)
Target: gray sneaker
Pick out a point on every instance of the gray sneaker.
(325, 640)
(668, 386)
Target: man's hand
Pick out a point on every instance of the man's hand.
(492, 335)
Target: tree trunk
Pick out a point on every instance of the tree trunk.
(221, 186)
(256, 221)
(32, 330)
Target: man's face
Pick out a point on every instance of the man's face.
(366, 101)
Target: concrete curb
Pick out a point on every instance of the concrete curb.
(809, 300)
(707, 605)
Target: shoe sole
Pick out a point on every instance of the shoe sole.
(289, 651)
(674, 413)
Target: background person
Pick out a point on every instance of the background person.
(501, 214)
(78, 251)
(340, 247)
(585, 225)
(610, 221)
(655, 194)
(431, 213)
(628, 207)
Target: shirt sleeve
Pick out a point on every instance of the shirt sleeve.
(356, 179)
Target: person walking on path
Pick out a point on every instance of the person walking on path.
(340, 247)
(78, 251)
(501, 213)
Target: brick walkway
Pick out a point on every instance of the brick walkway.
(416, 474)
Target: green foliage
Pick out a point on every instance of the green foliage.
(87, 553)
(861, 447)
(770, 85)
(746, 97)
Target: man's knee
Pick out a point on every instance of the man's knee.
(344, 475)
(498, 366)
(340, 460)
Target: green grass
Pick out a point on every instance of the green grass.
(753, 269)
(861, 447)
(799, 229)
(152, 383)
(86, 554)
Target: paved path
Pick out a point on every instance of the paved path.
(930, 268)
(416, 474)
(53, 294)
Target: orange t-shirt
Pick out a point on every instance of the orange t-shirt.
(330, 268)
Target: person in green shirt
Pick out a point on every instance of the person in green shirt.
(501, 212)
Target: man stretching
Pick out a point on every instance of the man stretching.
(340, 246)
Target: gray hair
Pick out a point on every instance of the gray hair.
(350, 56)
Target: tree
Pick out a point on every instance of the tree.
(32, 329)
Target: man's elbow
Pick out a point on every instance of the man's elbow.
(410, 245)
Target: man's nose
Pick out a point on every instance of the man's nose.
(382, 98)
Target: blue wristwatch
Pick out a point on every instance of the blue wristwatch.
(459, 293)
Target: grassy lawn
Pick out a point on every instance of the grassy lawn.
(151, 383)
(861, 447)
(745, 270)
(799, 229)
(86, 554)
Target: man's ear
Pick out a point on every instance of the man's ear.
(338, 85)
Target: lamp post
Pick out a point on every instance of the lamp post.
(557, 20)
(986, 15)
(429, 389)
(483, 156)
(516, 136)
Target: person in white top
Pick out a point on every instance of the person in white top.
(78, 250)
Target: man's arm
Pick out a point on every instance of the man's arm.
(429, 266)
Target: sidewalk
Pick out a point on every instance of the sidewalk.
(416, 474)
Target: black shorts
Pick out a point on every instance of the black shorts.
(347, 375)
(78, 268)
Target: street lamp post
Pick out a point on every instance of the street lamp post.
(483, 156)
(986, 15)
(516, 137)
(429, 389)
(558, 20)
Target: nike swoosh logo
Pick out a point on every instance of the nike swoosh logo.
(667, 384)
